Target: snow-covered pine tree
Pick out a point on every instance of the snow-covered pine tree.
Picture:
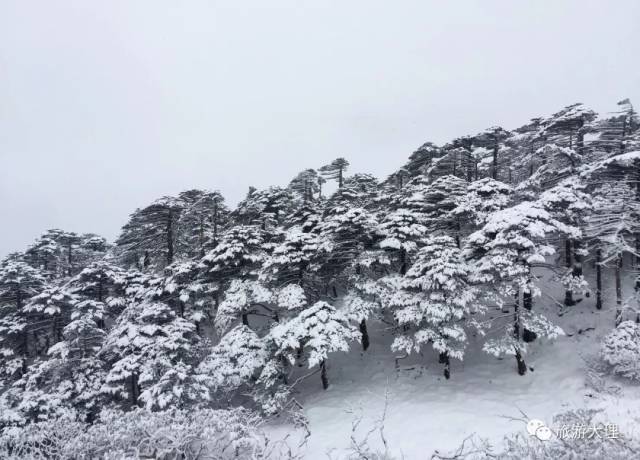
(568, 203)
(344, 233)
(335, 170)
(71, 377)
(237, 258)
(307, 184)
(243, 297)
(613, 225)
(318, 330)
(621, 349)
(482, 198)
(418, 163)
(403, 233)
(435, 299)
(502, 254)
(48, 313)
(370, 288)
(18, 283)
(183, 287)
(104, 284)
(435, 201)
(236, 361)
(148, 239)
(202, 220)
(58, 253)
(296, 261)
(266, 209)
(152, 354)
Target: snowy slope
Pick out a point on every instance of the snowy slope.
(425, 412)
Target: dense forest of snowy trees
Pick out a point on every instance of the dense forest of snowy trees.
(202, 307)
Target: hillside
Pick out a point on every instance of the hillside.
(487, 282)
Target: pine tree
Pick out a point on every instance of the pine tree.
(502, 254)
(434, 299)
(151, 354)
(335, 170)
(148, 240)
(72, 375)
(403, 233)
(241, 299)
(296, 261)
(307, 184)
(568, 203)
(59, 254)
(482, 198)
(48, 313)
(202, 220)
(317, 331)
(370, 289)
(236, 361)
(19, 282)
(265, 208)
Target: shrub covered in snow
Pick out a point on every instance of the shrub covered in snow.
(187, 434)
(621, 349)
(524, 447)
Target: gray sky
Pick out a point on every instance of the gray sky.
(105, 106)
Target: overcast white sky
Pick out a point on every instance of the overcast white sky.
(107, 105)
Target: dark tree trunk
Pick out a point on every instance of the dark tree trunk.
(135, 390)
(403, 261)
(443, 358)
(100, 295)
(69, 258)
(201, 237)
(215, 223)
(599, 279)
(245, 319)
(568, 295)
(323, 374)
(522, 367)
(299, 354)
(618, 290)
(170, 238)
(494, 169)
(527, 303)
(365, 334)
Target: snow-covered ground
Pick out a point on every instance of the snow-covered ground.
(425, 412)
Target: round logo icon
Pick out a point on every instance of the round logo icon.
(539, 429)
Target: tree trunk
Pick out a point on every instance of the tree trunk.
(170, 238)
(365, 334)
(69, 258)
(215, 223)
(403, 261)
(443, 358)
(522, 367)
(599, 279)
(568, 295)
(245, 319)
(618, 290)
(201, 237)
(527, 303)
(494, 169)
(323, 374)
(135, 390)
